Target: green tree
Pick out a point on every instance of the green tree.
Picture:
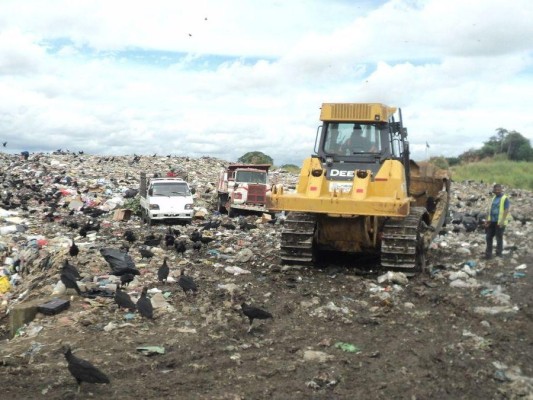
(524, 152)
(255, 157)
(291, 168)
(516, 146)
(470, 155)
(509, 144)
(453, 161)
(501, 134)
(440, 162)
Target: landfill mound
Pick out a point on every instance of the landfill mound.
(342, 330)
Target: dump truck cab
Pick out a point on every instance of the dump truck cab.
(242, 188)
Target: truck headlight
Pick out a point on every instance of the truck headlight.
(154, 206)
(188, 206)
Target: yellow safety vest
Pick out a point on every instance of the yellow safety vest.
(500, 211)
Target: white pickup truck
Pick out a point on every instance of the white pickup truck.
(166, 199)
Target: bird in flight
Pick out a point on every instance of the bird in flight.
(4, 144)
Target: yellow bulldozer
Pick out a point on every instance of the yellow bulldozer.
(360, 192)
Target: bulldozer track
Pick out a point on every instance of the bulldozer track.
(402, 246)
(297, 239)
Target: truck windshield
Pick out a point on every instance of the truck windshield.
(251, 177)
(170, 189)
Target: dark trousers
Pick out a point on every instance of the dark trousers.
(494, 230)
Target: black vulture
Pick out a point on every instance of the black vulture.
(196, 236)
(170, 239)
(176, 232)
(254, 313)
(70, 281)
(144, 305)
(82, 370)
(126, 279)
(187, 283)
(229, 225)
(74, 250)
(123, 300)
(197, 246)
(129, 236)
(211, 224)
(206, 239)
(145, 253)
(71, 269)
(72, 224)
(163, 271)
(180, 246)
(152, 240)
(245, 225)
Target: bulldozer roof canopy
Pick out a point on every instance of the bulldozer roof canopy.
(368, 112)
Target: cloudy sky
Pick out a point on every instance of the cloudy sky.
(224, 77)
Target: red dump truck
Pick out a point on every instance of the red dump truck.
(242, 188)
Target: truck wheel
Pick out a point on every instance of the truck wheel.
(232, 213)
(145, 218)
(220, 205)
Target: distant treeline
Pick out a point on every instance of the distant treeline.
(510, 145)
(505, 158)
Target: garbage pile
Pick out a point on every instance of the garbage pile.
(64, 236)
(50, 201)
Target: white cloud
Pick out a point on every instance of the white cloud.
(125, 77)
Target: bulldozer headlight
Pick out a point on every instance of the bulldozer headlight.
(316, 172)
(361, 174)
(188, 206)
(154, 206)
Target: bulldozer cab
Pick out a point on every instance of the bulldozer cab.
(348, 139)
(356, 136)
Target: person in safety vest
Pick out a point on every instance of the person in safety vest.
(496, 221)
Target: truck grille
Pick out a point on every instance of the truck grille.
(256, 194)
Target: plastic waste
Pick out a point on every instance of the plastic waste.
(15, 279)
(4, 230)
(151, 350)
(5, 286)
(121, 262)
(236, 270)
(394, 277)
(347, 347)
(59, 289)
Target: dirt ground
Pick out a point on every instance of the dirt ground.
(424, 341)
